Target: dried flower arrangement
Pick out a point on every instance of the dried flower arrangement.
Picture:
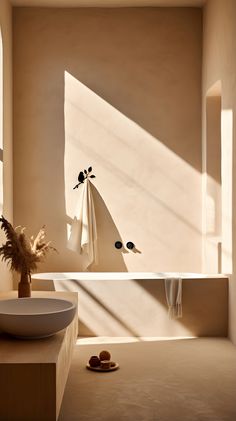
(23, 254)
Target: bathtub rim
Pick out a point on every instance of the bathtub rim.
(110, 276)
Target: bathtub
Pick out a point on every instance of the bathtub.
(134, 304)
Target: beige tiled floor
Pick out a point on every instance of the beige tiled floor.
(179, 380)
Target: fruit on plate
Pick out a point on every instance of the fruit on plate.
(94, 361)
(104, 355)
(105, 364)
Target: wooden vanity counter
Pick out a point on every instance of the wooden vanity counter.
(33, 373)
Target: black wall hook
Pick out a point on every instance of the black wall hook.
(83, 175)
(118, 245)
(130, 245)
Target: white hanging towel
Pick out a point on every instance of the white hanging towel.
(173, 289)
(83, 236)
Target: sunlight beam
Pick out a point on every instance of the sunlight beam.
(149, 182)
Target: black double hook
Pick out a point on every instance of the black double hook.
(129, 245)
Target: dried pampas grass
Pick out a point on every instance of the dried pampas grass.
(20, 252)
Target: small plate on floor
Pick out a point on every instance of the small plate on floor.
(102, 370)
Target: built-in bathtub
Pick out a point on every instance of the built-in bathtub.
(134, 304)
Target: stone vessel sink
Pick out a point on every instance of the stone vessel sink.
(32, 318)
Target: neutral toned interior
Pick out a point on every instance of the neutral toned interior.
(136, 108)
(85, 100)
(145, 93)
(187, 380)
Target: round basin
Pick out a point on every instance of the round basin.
(31, 318)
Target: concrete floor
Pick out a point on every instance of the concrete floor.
(173, 380)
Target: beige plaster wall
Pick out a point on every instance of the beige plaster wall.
(219, 64)
(118, 89)
(6, 158)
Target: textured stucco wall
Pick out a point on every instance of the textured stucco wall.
(118, 89)
(219, 67)
(6, 158)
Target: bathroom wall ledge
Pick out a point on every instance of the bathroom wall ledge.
(134, 304)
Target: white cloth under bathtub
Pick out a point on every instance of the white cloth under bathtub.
(173, 289)
(83, 236)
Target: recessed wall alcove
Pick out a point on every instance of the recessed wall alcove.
(212, 181)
